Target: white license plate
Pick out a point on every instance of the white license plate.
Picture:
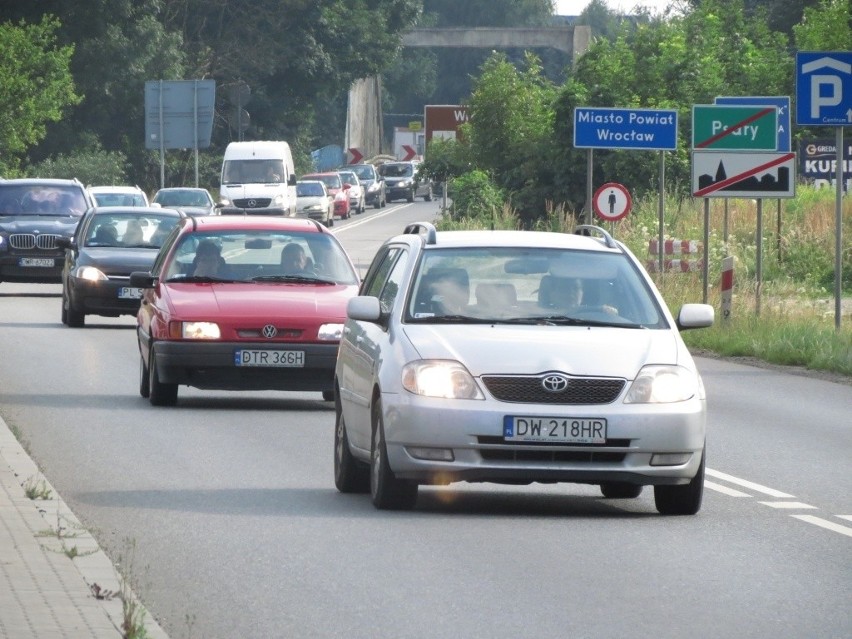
(129, 293)
(41, 262)
(281, 359)
(563, 430)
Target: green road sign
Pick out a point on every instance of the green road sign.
(735, 128)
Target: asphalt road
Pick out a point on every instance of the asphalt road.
(239, 531)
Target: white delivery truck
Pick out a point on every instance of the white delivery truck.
(258, 178)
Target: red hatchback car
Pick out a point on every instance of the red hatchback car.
(243, 303)
(337, 189)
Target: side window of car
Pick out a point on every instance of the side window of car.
(375, 280)
(393, 283)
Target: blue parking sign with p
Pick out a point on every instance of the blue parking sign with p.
(824, 88)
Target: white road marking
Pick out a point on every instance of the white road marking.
(787, 504)
(824, 523)
(747, 484)
(730, 492)
(849, 517)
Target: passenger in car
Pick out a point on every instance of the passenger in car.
(567, 294)
(133, 235)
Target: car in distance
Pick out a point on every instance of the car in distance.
(243, 303)
(111, 242)
(517, 357)
(34, 215)
(403, 181)
(119, 196)
(373, 183)
(357, 195)
(336, 188)
(314, 202)
(191, 200)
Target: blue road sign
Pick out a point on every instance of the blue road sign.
(643, 129)
(781, 104)
(179, 113)
(824, 88)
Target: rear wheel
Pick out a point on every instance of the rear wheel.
(328, 396)
(428, 196)
(410, 196)
(682, 500)
(388, 492)
(159, 393)
(350, 475)
(620, 490)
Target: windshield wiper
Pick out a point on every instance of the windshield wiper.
(564, 320)
(298, 279)
(201, 279)
(451, 319)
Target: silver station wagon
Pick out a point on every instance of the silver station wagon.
(517, 357)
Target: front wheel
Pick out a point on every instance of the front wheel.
(682, 500)
(144, 380)
(387, 492)
(350, 475)
(428, 196)
(159, 393)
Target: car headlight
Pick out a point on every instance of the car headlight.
(313, 207)
(330, 332)
(373, 187)
(90, 273)
(224, 201)
(663, 385)
(404, 183)
(440, 378)
(278, 200)
(341, 196)
(199, 330)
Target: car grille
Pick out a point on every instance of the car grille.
(31, 241)
(500, 450)
(529, 390)
(253, 203)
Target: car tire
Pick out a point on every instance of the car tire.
(160, 394)
(64, 309)
(620, 490)
(350, 474)
(328, 396)
(384, 201)
(428, 196)
(75, 318)
(387, 492)
(144, 379)
(410, 196)
(329, 222)
(682, 500)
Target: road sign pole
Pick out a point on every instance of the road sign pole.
(661, 207)
(838, 226)
(705, 267)
(589, 197)
(759, 267)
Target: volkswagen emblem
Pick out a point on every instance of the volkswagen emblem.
(252, 204)
(554, 383)
(269, 331)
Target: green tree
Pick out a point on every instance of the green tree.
(826, 27)
(36, 86)
(511, 130)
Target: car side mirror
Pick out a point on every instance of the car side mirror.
(64, 242)
(142, 279)
(291, 181)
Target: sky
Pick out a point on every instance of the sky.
(575, 7)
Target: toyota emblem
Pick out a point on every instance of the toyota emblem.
(252, 204)
(554, 383)
(269, 331)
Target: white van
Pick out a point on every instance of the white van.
(258, 178)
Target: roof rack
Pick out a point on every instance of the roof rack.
(589, 229)
(415, 228)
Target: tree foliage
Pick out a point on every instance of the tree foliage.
(36, 86)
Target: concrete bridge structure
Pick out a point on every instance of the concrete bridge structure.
(364, 129)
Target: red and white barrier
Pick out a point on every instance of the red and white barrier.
(676, 247)
(727, 286)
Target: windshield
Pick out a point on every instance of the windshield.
(365, 172)
(253, 171)
(309, 189)
(120, 199)
(331, 181)
(19, 199)
(528, 285)
(183, 198)
(260, 256)
(128, 230)
(397, 170)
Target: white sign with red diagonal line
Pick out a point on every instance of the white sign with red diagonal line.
(354, 156)
(738, 174)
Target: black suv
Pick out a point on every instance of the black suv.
(403, 180)
(34, 214)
